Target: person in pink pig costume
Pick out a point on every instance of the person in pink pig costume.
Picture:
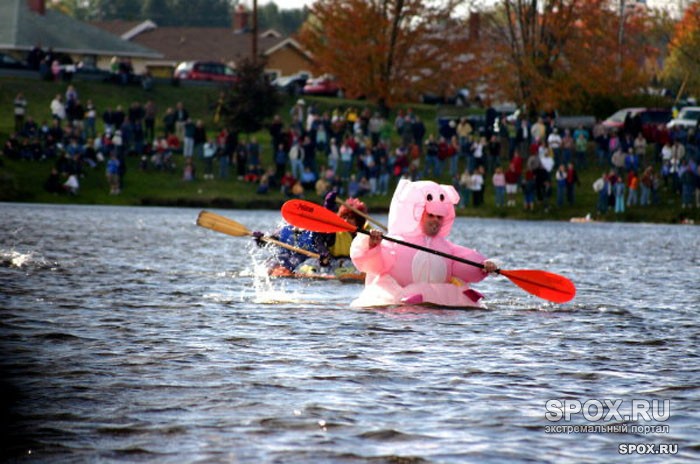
(421, 213)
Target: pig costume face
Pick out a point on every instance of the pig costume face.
(412, 198)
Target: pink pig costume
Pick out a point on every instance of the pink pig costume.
(398, 274)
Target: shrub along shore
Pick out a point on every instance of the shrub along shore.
(24, 180)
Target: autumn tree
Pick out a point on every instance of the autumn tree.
(682, 68)
(556, 54)
(385, 50)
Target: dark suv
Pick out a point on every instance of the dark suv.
(205, 71)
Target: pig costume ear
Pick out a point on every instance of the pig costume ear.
(412, 198)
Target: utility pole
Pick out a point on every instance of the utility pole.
(620, 41)
(255, 31)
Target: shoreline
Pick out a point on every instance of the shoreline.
(274, 204)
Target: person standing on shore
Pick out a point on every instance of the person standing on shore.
(512, 181)
(560, 177)
(208, 152)
(632, 189)
(181, 118)
(20, 111)
(465, 187)
(572, 181)
(149, 120)
(600, 186)
(619, 192)
(169, 122)
(90, 124)
(499, 186)
(112, 171)
(58, 109)
(477, 186)
(697, 187)
(188, 133)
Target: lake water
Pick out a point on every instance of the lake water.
(130, 334)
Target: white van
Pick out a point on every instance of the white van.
(687, 117)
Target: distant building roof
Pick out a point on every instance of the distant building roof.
(201, 43)
(22, 28)
(288, 42)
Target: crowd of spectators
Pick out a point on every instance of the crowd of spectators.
(635, 171)
(358, 153)
(540, 160)
(70, 139)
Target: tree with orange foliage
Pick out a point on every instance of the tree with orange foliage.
(385, 50)
(682, 68)
(556, 54)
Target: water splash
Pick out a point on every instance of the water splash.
(15, 259)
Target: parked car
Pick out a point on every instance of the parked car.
(459, 98)
(650, 118)
(687, 118)
(291, 85)
(86, 70)
(8, 62)
(325, 86)
(205, 71)
(574, 122)
(92, 69)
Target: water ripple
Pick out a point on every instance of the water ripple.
(163, 343)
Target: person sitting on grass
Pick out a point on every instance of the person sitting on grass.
(252, 174)
(287, 181)
(308, 179)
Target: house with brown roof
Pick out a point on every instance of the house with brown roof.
(285, 56)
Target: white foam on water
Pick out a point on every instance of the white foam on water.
(19, 260)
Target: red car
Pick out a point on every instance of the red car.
(324, 86)
(205, 71)
(650, 118)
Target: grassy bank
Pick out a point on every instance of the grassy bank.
(22, 181)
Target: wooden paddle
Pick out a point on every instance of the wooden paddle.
(546, 285)
(228, 226)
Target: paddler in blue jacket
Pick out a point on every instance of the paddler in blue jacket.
(285, 262)
(333, 249)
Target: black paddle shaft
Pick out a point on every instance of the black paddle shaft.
(429, 250)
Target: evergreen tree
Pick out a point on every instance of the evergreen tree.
(247, 103)
(200, 13)
(185, 13)
(285, 21)
(127, 10)
(157, 11)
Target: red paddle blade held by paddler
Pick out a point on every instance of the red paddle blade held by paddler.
(315, 217)
(307, 215)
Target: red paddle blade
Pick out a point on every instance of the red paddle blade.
(546, 285)
(313, 217)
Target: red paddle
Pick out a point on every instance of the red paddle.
(546, 285)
